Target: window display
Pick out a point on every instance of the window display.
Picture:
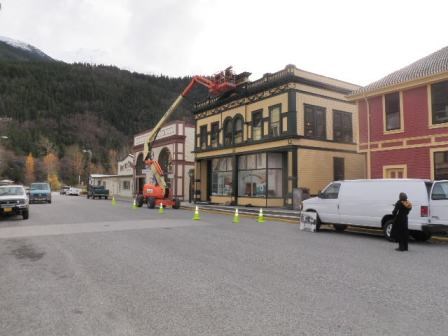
(222, 177)
(256, 179)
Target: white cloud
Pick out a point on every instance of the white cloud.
(356, 41)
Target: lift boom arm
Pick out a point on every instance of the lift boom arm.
(217, 84)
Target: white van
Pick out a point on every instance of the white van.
(369, 203)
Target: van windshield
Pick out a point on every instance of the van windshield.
(440, 191)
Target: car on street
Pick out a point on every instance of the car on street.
(14, 201)
(40, 192)
(97, 191)
(72, 191)
(64, 189)
(369, 203)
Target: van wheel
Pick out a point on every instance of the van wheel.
(420, 235)
(339, 227)
(387, 229)
(25, 214)
(318, 222)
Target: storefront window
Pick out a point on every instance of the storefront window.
(252, 175)
(275, 175)
(260, 175)
(222, 177)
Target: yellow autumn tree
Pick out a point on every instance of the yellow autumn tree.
(53, 179)
(30, 169)
(51, 163)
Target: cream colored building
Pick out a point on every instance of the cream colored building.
(290, 129)
(173, 148)
(121, 184)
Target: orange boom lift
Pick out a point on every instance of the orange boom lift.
(158, 193)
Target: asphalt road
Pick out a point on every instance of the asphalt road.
(85, 267)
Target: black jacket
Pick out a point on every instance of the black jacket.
(400, 213)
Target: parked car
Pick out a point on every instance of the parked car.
(64, 189)
(369, 203)
(97, 191)
(14, 201)
(40, 192)
(72, 191)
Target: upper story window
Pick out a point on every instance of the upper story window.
(392, 111)
(342, 126)
(274, 120)
(315, 125)
(257, 125)
(214, 137)
(238, 130)
(203, 137)
(439, 102)
(228, 132)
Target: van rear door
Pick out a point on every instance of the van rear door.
(438, 205)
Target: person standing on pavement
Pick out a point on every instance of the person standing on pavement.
(400, 226)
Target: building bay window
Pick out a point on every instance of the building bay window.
(203, 137)
(342, 126)
(257, 125)
(392, 111)
(222, 176)
(214, 135)
(274, 120)
(315, 123)
(228, 131)
(238, 130)
(439, 102)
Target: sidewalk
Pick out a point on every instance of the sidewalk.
(280, 213)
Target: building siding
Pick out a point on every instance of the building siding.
(416, 159)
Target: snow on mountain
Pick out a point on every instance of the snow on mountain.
(22, 45)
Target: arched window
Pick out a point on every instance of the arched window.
(238, 129)
(228, 131)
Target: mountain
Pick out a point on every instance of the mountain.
(49, 106)
(13, 50)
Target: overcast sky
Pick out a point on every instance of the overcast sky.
(356, 41)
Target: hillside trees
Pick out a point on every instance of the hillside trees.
(55, 107)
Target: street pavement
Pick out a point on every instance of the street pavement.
(85, 267)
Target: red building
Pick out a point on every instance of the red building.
(403, 121)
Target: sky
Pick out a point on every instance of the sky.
(355, 41)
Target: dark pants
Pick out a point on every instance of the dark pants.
(403, 240)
